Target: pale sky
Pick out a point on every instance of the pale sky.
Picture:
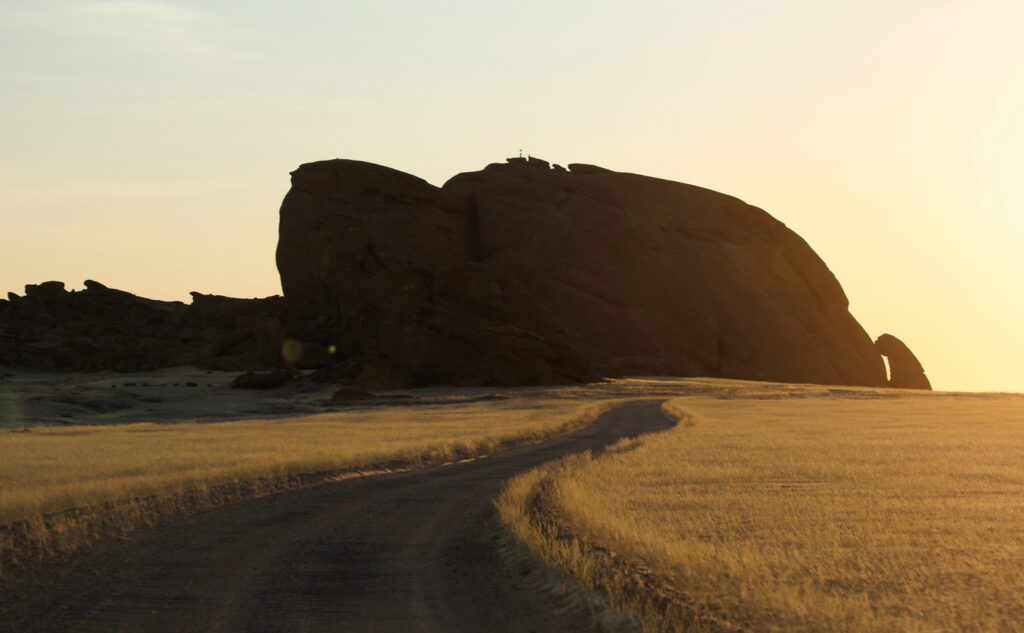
(146, 144)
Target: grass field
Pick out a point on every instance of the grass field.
(861, 514)
(60, 486)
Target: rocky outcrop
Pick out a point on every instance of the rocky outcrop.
(96, 328)
(522, 273)
(262, 380)
(905, 371)
(100, 328)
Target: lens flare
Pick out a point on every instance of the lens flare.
(10, 409)
(292, 351)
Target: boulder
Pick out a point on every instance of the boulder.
(350, 394)
(357, 236)
(584, 168)
(905, 371)
(48, 291)
(537, 163)
(262, 380)
(381, 266)
(521, 273)
(694, 281)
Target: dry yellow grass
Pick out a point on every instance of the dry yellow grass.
(860, 514)
(60, 486)
(63, 486)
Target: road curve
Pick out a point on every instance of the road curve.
(406, 552)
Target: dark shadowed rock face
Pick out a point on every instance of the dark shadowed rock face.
(905, 371)
(101, 328)
(383, 266)
(96, 328)
(521, 273)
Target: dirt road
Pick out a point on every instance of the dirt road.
(409, 552)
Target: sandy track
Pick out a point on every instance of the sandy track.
(404, 552)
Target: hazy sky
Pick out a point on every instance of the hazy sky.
(147, 144)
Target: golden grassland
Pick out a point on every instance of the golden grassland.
(860, 514)
(62, 486)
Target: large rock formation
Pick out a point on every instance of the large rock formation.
(523, 273)
(905, 371)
